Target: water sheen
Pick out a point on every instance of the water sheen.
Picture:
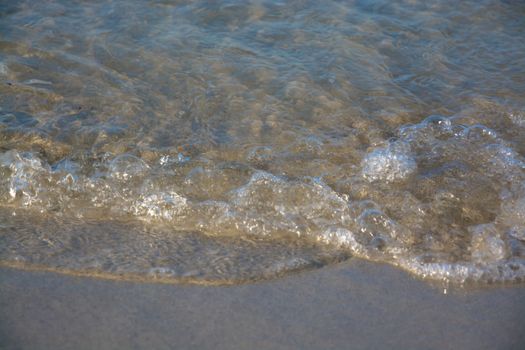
(231, 141)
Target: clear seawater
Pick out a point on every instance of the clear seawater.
(233, 141)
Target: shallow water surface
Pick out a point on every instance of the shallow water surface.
(231, 141)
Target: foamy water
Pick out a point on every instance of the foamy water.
(224, 142)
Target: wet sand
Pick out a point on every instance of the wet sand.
(351, 305)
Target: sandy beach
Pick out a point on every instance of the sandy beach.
(352, 305)
(262, 174)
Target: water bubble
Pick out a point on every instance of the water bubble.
(126, 166)
(486, 245)
(25, 169)
(441, 126)
(342, 237)
(161, 272)
(518, 118)
(165, 160)
(512, 215)
(480, 133)
(163, 205)
(388, 164)
(260, 156)
(374, 224)
(3, 69)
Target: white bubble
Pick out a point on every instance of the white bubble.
(25, 167)
(388, 164)
(164, 205)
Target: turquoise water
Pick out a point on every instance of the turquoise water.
(231, 141)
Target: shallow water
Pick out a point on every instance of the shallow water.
(230, 141)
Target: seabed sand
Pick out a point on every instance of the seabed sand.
(351, 305)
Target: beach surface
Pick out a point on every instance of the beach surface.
(293, 172)
(351, 305)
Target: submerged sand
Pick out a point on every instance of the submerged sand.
(351, 305)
